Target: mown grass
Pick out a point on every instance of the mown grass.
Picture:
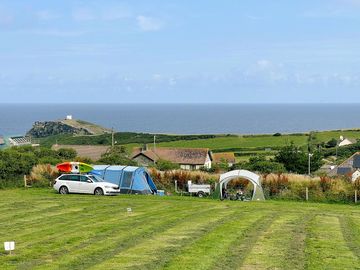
(87, 232)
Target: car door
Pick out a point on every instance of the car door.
(73, 183)
(85, 186)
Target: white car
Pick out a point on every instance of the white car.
(84, 183)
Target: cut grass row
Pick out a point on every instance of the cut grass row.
(87, 232)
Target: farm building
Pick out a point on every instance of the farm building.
(228, 157)
(93, 152)
(187, 158)
(131, 180)
(20, 141)
(349, 167)
(345, 142)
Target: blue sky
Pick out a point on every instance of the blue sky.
(180, 51)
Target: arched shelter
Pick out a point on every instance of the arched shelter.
(258, 194)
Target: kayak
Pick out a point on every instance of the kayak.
(74, 167)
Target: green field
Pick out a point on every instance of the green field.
(261, 141)
(87, 232)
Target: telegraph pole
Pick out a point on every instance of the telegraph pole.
(154, 143)
(112, 137)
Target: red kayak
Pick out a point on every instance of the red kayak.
(74, 167)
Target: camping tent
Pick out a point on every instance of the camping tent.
(225, 178)
(131, 180)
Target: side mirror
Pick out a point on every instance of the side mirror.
(89, 181)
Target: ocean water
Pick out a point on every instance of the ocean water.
(16, 119)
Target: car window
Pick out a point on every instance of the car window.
(73, 177)
(83, 178)
(96, 178)
(64, 177)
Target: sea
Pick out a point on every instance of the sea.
(17, 119)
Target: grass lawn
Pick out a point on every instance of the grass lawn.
(86, 232)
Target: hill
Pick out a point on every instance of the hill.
(80, 232)
(66, 126)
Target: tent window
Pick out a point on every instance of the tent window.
(126, 180)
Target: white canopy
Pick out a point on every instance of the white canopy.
(225, 178)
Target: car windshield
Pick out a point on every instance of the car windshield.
(96, 178)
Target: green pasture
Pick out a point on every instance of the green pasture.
(240, 142)
(54, 231)
(261, 141)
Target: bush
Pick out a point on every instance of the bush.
(165, 165)
(43, 175)
(117, 155)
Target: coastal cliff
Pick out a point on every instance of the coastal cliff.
(73, 127)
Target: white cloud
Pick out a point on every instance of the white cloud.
(6, 18)
(83, 14)
(54, 32)
(115, 13)
(263, 64)
(47, 15)
(148, 23)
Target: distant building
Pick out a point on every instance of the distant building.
(227, 157)
(187, 158)
(20, 141)
(2, 140)
(69, 117)
(94, 152)
(345, 141)
(350, 167)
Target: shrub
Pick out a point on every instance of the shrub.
(42, 175)
(165, 165)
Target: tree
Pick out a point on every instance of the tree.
(165, 165)
(262, 165)
(296, 160)
(331, 143)
(117, 155)
(67, 153)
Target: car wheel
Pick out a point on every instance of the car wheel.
(201, 194)
(63, 190)
(99, 191)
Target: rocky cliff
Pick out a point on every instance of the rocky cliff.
(74, 127)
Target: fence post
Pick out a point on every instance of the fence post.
(307, 193)
(176, 188)
(355, 195)
(25, 182)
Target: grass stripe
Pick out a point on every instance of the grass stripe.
(350, 227)
(212, 247)
(271, 249)
(326, 247)
(120, 237)
(150, 253)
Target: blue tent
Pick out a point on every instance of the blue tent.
(132, 180)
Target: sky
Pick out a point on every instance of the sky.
(180, 51)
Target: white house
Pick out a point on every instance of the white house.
(355, 175)
(345, 141)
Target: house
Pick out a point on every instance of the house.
(345, 141)
(94, 152)
(227, 157)
(20, 141)
(355, 175)
(187, 158)
(349, 167)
